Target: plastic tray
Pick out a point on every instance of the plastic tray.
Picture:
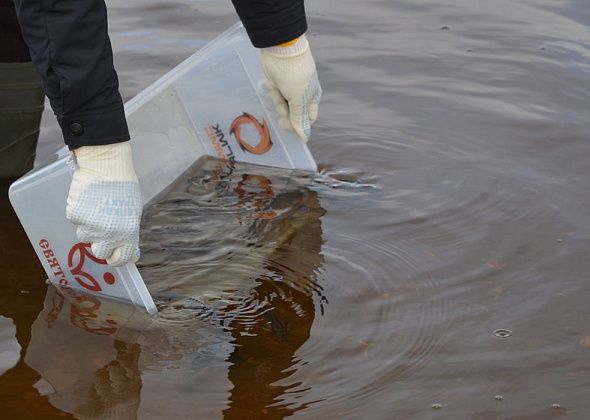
(212, 104)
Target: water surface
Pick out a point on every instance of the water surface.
(453, 201)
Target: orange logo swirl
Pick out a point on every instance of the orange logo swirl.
(265, 142)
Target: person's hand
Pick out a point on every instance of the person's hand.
(293, 84)
(104, 202)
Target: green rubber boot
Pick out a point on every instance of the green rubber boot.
(21, 105)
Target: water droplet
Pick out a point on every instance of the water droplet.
(499, 398)
(437, 406)
(502, 333)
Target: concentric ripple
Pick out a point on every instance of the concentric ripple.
(254, 260)
(391, 327)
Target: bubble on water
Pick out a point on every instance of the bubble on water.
(555, 406)
(437, 406)
(499, 398)
(502, 333)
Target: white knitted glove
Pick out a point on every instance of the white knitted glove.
(105, 202)
(293, 85)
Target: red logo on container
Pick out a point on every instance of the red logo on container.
(84, 310)
(77, 259)
(264, 143)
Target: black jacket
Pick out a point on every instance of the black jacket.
(272, 22)
(70, 47)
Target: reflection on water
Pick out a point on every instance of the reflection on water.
(21, 299)
(452, 203)
(85, 351)
(256, 241)
(252, 316)
(9, 346)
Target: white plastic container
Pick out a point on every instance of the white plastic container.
(212, 104)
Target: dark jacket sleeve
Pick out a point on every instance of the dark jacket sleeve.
(71, 50)
(272, 22)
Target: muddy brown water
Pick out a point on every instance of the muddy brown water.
(453, 201)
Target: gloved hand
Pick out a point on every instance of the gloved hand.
(105, 202)
(293, 84)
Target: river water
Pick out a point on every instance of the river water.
(436, 267)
